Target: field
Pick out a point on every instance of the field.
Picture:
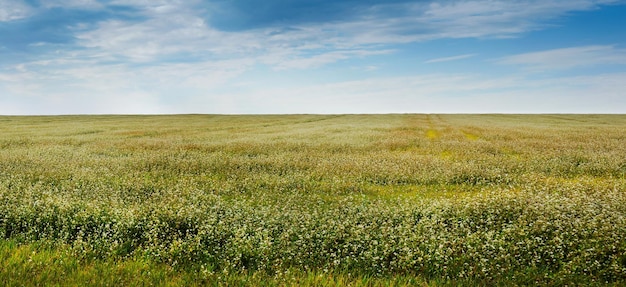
(313, 200)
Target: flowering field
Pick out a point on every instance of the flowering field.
(315, 199)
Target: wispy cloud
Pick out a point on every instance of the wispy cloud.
(423, 21)
(11, 10)
(448, 59)
(484, 18)
(567, 58)
(82, 4)
(304, 62)
(156, 29)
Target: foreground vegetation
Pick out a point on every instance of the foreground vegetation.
(361, 200)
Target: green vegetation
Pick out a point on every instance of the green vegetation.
(359, 200)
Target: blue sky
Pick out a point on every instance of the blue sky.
(312, 56)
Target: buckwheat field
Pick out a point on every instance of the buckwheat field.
(317, 200)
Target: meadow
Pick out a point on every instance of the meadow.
(313, 200)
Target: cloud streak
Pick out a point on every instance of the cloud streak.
(568, 58)
(448, 59)
(11, 10)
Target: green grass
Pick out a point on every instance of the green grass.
(357, 200)
(37, 265)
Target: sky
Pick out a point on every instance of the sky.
(312, 56)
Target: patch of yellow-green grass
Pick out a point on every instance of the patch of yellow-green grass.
(432, 134)
(470, 136)
(446, 154)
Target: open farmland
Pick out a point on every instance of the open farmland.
(313, 199)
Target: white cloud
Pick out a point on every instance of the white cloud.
(485, 18)
(11, 10)
(567, 58)
(448, 59)
(502, 18)
(453, 19)
(84, 4)
(146, 41)
(304, 62)
(177, 27)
